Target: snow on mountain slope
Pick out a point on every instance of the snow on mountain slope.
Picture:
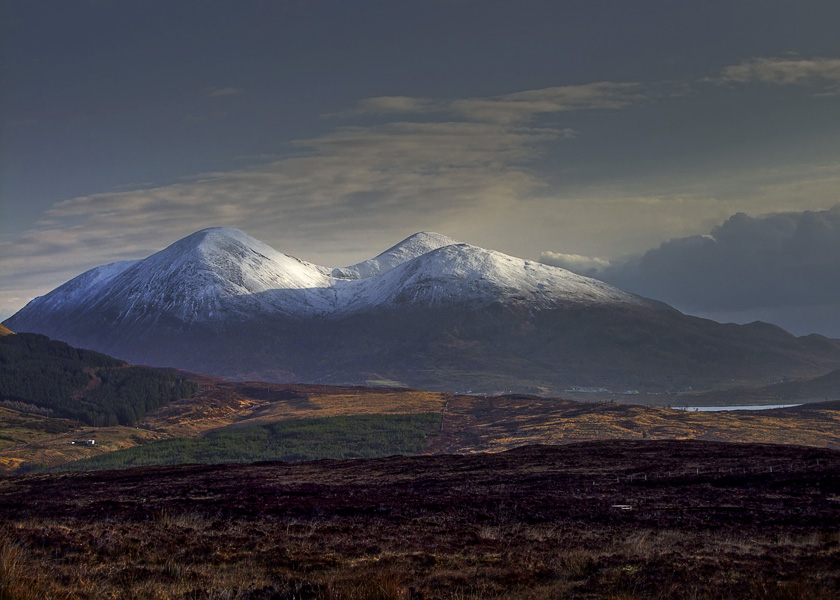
(80, 292)
(428, 268)
(468, 275)
(221, 273)
(408, 249)
(208, 275)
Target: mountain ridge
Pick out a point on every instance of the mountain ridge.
(411, 247)
(427, 313)
(206, 274)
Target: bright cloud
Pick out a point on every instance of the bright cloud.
(362, 179)
(584, 265)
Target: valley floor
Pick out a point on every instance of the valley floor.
(608, 519)
(237, 412)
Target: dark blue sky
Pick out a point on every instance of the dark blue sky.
(332, 129)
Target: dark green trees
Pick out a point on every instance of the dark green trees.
(81, 384)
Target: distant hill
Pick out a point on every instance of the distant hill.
(5, 330)
(52, 378)
(429, 313)
(815, 389)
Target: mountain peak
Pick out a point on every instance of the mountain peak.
(462, 274)
(410, 248)
(426, 238)
(216, 237)
(219, 230)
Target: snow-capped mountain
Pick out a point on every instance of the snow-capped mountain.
(411, 247)
(222, 273)
(460, 274)
(429, 312)
(213, 274)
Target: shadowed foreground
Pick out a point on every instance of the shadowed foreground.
(619, 519)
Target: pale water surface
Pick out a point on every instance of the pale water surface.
(721, 408)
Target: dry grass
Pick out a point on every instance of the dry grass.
(22, 577)
(506, 527)
(221, 403)
(34, 446)
(309, 569)
(13, 567)
(478, 424)
(191, 556)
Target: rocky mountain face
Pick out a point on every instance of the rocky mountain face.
(429, 312)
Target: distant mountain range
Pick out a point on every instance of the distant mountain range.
(428, 313)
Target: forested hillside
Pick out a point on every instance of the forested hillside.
(41, 375)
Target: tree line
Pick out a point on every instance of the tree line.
(82, 384)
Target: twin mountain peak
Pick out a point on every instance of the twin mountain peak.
(429, 312)
(223, 273)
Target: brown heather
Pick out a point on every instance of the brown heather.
(533, 523)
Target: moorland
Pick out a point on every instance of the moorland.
(210, 489)
(244, 422)
(607, 519)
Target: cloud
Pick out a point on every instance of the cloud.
(784, 71)
(519, 107)
(583, 265)
(522, 107)
(781, 264)
(466, 167)
(367, 180)
(383, 105)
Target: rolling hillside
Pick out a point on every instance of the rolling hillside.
(229, 417)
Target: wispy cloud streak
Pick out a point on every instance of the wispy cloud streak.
(359, 179)
(820, 72)
(519, 107)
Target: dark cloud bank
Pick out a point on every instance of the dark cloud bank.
(783, 268)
